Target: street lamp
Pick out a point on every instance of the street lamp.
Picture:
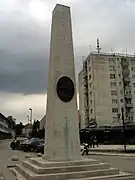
(28, 119)
(123, 127)
(30, 115)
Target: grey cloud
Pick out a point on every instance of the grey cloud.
(24, 43)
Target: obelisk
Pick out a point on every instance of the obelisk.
(61, 131)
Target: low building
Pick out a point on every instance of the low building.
(42, 122)
(27, 129)
(7, 125)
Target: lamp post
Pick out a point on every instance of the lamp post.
(123, 127)
(30, 109)
(28, 119)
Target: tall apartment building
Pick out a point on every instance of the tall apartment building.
(106, 85)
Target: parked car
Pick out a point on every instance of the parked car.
(40, 148)
(32, 144)
(23, 143)
(15, 144)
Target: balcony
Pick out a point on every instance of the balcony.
(126, 79)
(128, 96)
(125, 72)
(129, 105)
(124, 62)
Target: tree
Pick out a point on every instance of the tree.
(18, 128)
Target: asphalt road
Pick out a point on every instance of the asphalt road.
(6, 154)
(126, 164)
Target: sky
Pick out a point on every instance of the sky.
(24, 45)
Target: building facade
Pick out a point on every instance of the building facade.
(81, 100)
(108, 87)
(7, 126)
(27, 129)
(42, 122)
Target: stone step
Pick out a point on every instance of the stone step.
(120, 176)
(25, 172)
(44, 163)
(28, 174)
(64, 169)
(17, 174)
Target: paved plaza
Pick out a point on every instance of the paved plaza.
(124, 163)
(6, 154)
(113, 148)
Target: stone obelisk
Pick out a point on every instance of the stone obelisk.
(61, 132)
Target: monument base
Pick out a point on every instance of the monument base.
(85, 169)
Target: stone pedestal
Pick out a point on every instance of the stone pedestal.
(61, 131)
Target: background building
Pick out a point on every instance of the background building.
(81, 100)
(42, 122)
(7, 126)
(27, 129)
(106, 85)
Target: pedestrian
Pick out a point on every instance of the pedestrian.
(95, 141)
(90, 142)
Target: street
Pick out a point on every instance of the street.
(126, 164)
(6, 154)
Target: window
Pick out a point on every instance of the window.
(89, 68)
(114, 101)
(90, 85)
(91, 111)
(119, 83)
(114, 110)
(111, 68)
(121, 100)
(119, 75)
(112, 76)
(91, 93)
(133, 61)
(111, 60)
(113, 84)
(90, 77)
(134, 84)
(133, 68)
(90, 101)
(113, 93)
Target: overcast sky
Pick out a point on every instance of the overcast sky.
(24, 45)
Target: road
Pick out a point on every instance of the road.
(126, 164)
(6, 154)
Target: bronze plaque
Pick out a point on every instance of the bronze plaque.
(65, 89)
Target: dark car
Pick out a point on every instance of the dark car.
(24, 143)
(15, 144)
(32, 144)
(40, 148)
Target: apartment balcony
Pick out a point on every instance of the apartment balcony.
(126, 79)
(128, 96)
(129, 105)
(124, 63)
(125, 72)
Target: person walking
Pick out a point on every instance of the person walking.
(95, 141)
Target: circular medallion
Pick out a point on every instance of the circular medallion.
(65, 89)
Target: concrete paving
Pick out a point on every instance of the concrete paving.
(113, 147)
(126, 164)
(122, 162)
(6, 155)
